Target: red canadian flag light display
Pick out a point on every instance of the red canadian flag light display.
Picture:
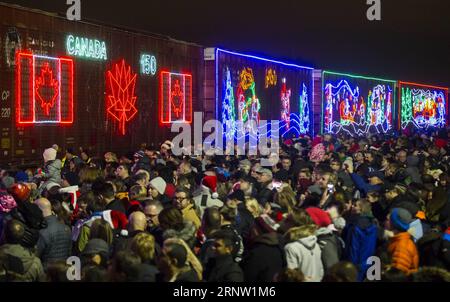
(44, 89)
(121, 98)
(175, 98)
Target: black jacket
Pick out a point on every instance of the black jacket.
(264, 260)
(189, 276)
(116, 205)
(244, 221)
(433, 250)
(265, 195)
(223, 269)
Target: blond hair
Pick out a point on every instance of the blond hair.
(297, 233)
(285, 198)
(143, 244)
(191, 258)
(253, 206)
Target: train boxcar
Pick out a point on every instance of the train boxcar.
(80, 84)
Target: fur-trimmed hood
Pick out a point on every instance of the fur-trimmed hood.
(187, 233)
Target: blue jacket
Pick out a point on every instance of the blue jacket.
(363, 186)
(360, 237)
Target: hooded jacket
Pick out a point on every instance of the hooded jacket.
(305, 254)
(52, 172)
(331, 247)
(360, 236)
(30, 267)
(187, 233)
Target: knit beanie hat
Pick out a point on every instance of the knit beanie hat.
(21, 176)
(401, 219)
(8, 181)
(210, 181)
(49, 154)
(159, 184)
(170, 190)
(7, 202)
(317, 153)
(319, 216)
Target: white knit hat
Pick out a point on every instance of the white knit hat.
(49, 154)
(159, 184)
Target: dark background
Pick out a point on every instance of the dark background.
(411, 42)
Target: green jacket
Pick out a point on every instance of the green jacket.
(32, 266)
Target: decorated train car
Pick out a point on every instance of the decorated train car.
(79, 84)
(357, 105)
(251, 95)
(422, 106)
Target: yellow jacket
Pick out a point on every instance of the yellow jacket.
(190, 215)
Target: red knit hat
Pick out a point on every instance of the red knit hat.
(440, 143)
(210, 182)
(319, 216)
(317, 140)
(170, 190)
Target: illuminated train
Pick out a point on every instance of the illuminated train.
(104, 88)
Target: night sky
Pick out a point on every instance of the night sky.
(411, 42)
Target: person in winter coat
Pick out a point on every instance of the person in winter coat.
(157, 189)
(360, 237)
(403, 251)
(21, 263)
(434, 249)
(223, 268)
(227, 223)
(96, 209)
(244, 219)
(303, 252)
(185, 204)
(264, 179)
(330, 244)
(7, 204)
(55, 241)
(412, 169)
(208, 196)
(52, 168)
(265, 257)
(396, 197)
(376, 179)
(174, 226)
(173, 264)
(28, 213)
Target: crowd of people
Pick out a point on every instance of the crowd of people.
(320, 213)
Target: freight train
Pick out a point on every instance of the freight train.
(81, 84)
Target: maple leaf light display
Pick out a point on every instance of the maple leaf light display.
(46, 89)
(121, 102)
(176, 99)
